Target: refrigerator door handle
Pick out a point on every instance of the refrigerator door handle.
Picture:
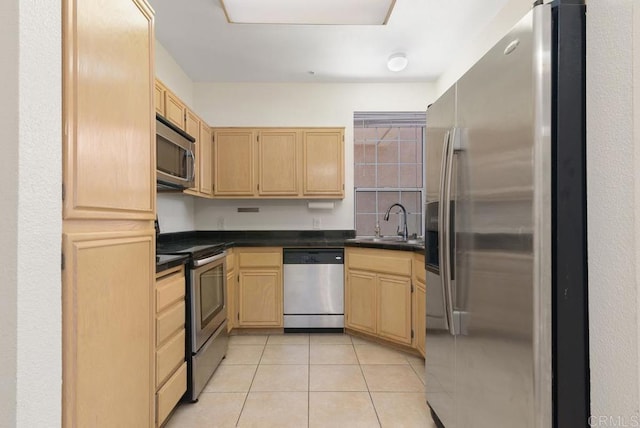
(442, 233)
(446, 225)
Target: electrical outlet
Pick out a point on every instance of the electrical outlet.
(220, 223)
(316, 223)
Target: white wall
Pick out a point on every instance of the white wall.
(613, 162)
(8, 204)
(296, 104)
(30, 128)
(175, 211)
(508, 16)
(172, 75)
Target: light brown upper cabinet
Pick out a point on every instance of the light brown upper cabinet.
(199, 130)
(193, 128)
(280, 163)
(159, 93)
(172, 108)
(175, 110)
(323, 163)
(233, 160)
(108, 154)
(205, 163)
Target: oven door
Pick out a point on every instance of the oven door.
(208, 286)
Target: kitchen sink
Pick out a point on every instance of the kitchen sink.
(391, 240)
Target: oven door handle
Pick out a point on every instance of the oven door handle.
(211, 259)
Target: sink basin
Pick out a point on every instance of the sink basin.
(391, 240)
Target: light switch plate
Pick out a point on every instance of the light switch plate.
(316, 223)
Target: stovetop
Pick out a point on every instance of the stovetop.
(195, 251)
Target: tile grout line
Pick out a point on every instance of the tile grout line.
(251, 384)
(373, 404)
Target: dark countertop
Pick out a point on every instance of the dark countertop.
(368, 242)
(164, 262)
(280, 238)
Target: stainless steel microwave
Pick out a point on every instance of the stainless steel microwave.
(175, 160)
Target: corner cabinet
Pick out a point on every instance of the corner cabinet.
(199, 130)
(108, 239)
(378, 293)
(282, 163)
(259, 287)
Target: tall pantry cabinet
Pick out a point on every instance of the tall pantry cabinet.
(108, 266)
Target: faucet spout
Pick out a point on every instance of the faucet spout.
(403, 232)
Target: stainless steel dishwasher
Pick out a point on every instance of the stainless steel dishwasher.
(313, 289)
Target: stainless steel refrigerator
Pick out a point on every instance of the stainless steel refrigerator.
(505, 232)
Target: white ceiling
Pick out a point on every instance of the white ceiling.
(209, 49)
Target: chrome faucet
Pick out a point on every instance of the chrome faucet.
(402, 233)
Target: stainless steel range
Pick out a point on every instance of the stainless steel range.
(206, 321)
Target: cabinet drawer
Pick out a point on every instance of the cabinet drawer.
(169, 356)
(169, 289)
(168, 396)
(271, 259)
(169, 321)
(380, 261)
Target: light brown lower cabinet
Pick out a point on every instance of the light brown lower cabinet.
(360, 293)
(171, 367)
(230, 292)
(378, 293)
(259, 294)
(394, 308)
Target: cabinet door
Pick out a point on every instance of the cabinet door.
(323, 165)
(158, 95)
(231, 291)
(232, 314)
(108, 317)
(360, 307)
(278, 163)
(394, 308)
(260, 298)
(109, 122)
(419, 316)
(233, 161)
(175, 110)
(206, 162)
(193, 128)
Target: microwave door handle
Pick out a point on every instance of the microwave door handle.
(192, 164)
(444, 273)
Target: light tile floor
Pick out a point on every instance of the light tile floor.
(310, 380)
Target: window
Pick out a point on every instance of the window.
(388, 168)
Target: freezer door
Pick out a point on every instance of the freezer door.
(440, 344)
(494, 253)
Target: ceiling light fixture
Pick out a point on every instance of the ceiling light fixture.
(397, 61)
(309, 12)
